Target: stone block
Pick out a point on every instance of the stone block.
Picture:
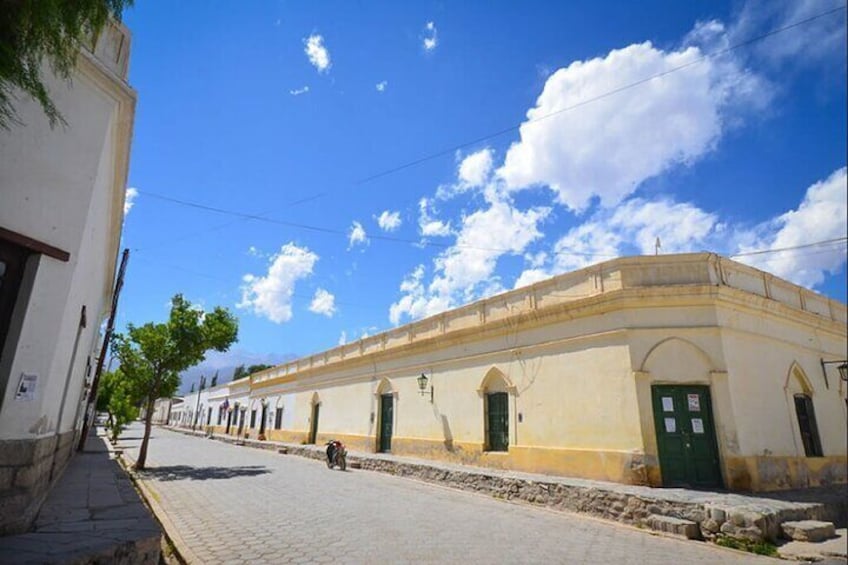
(808, 530)
(675, 526)
(17, 452)
(32, 475)
(7, 477)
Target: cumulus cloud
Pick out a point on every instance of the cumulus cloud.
(430, 226)
(474, 170)
(129, 201)
(323, 303)
(356, 235)
(389, 221)
(634, 226)
(607, 148)
(269, 295)
(466, 270)
(317, 53)
(822, 215)
(343, 338)
(299, 91)
(381, 86)
(431, 36)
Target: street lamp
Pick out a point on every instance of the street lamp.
(842, 368)
(422, 387)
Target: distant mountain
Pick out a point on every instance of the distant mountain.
(225, 364)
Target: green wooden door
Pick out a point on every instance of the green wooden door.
(313, 429)
(498, 421)
(387, 409)
(686, 440)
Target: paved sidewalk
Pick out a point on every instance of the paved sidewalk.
(92, 515)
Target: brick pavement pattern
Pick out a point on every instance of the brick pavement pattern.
(232, 504)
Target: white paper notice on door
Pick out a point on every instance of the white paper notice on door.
(694, 402)
(670, 425)
(697, 426)
(668, 404)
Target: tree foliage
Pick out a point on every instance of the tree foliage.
(116, 397)
(33, 32)
(241, 371)
(152, 356)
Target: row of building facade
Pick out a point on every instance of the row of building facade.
(678, 370)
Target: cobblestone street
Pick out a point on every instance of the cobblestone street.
(227, 504)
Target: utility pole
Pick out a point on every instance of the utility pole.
(107, 336)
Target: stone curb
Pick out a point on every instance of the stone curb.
(182, 551)
(743, 522)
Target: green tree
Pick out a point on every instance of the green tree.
(214, 380)
(36, 31)
(152, 356)
(239, 373)
(116, 397)
(256, 368)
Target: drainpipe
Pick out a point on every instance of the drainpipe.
(83, 322)
(107, 336)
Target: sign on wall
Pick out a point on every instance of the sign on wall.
(26, 387)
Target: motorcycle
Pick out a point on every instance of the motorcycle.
(336, 455)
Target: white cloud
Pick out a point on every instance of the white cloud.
(430, 226)
(254, 251)
(389, 221)
(821, 216)
(299, 91)
(813, 41)
(356, 235)
(323, 303)
(431, 36)
(129, 201)
(381, 86)
(343, 338)
(475, 169)
(270, 295)
(466, 270)
(607, 148)
(318, 54)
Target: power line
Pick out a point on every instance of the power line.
(503, 131)
(334, 231)
(607, 94)
(793, 248)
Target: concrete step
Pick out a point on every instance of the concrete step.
(675, 526)
(808, 530)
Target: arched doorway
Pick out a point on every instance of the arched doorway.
(496, 390)
(313, 420)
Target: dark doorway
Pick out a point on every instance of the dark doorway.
(387, 410)
(497, 420)
(313, 428)
(686, 440)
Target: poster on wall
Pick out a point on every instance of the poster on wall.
(697, 425)
(670, 425)
(694, 402)
(668, 404)
(26, 387)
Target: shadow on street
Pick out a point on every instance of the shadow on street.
(180, 472)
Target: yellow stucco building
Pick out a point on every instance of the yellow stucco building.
(678, 370)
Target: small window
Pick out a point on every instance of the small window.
(278, 419)
(252, 418)
(807, 424)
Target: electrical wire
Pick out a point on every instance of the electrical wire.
(512, 128)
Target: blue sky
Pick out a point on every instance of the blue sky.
(298, 114)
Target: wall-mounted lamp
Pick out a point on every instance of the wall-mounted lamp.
(842, 368)
(422, 387)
